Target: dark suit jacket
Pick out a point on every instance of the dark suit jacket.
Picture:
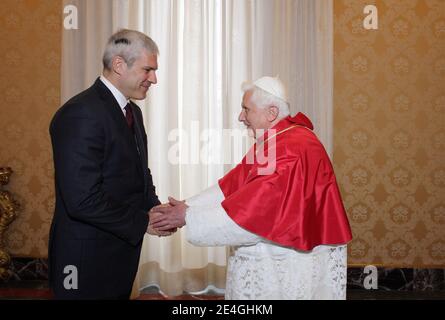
(104, 190)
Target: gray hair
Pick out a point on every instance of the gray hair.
(263, 99)
(127, 44)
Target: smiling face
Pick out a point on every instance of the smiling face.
(253, 117)
(135, 81)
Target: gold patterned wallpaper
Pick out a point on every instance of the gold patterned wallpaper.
(389, 130)
(30, 51)
(389, 125)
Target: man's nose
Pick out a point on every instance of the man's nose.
(153, 78)
(241, 117)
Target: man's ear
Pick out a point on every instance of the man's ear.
(118, 65)
(272, 113)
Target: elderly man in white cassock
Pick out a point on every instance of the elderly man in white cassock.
(283, 216)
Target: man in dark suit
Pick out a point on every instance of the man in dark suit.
(104, 188)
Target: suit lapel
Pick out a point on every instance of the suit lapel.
(115, 109)
(118, 116)
(141, 145)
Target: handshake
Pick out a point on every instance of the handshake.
(166, 218)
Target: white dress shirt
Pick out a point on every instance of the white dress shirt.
(120, 98)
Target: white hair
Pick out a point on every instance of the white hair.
(127, 44)
(263, 99)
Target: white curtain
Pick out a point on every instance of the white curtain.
(207, 49)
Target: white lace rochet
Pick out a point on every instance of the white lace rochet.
(259, 269)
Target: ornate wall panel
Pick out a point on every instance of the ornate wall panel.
(389, 130)
(30, 50)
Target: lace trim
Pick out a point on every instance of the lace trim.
(297, 276)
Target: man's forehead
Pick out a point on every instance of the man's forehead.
(148, 59)
(247, 95)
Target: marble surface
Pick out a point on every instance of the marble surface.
(400, 279)
(28, 269)
(389, 279)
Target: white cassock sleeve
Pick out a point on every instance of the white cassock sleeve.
(207, 223)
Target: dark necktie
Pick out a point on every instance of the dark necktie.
(129, 116)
